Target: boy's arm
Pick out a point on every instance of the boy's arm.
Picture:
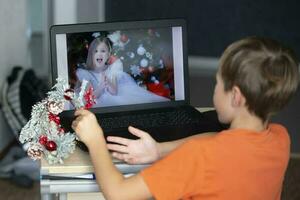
(112, 182)
(145, 149)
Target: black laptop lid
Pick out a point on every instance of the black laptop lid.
(143, 62)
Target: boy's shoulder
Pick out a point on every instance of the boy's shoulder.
(272, 128)
(275, 135)
(276, 132)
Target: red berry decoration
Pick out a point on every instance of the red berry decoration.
(61, 130)
(51, 146)
(43, 140)
(54, 118)
(69, 94)
(89, 98)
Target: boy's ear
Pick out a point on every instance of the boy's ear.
(238, 98)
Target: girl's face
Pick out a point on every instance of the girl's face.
(222, 101)
(100, 57)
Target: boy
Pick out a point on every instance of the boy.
(256, 78)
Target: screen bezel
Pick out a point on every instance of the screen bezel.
(104, 26)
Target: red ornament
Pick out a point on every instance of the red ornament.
(159, 89)
(51, 145)
(69, 94)
(112, 59)
(43, 140)
(55, 107)
(54, 118)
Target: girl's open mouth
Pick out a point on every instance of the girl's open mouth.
(99, 60)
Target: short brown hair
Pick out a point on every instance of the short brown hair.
(265, 71)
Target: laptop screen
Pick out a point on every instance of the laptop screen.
(129, 64)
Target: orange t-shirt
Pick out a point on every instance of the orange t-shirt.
(234, 164)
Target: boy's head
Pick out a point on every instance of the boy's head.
(265, 72)
(98, 53)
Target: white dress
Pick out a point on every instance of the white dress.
(128, 92)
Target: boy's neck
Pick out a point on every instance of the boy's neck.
(246, 120)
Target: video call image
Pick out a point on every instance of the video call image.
(123, 66)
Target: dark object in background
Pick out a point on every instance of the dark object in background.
(20, 92)
(213, 116)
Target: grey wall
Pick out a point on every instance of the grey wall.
(213, 24)
(13, 49)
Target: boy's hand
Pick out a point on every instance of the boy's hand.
(141, 151)
(86, 127)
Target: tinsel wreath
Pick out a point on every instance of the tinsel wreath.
(43, 134)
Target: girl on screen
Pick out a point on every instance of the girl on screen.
(112, 86)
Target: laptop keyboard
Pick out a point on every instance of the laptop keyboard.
(148, 120)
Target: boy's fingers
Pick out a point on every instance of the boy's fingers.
(74, 124)
(137, 132)
(76, 121)
(119, 156)
(129, 160)
(124, 157)
(118, 148)
(118, 140)
(80, 112)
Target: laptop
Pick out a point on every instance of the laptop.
(144, 65)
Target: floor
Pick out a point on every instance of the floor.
(10, 191)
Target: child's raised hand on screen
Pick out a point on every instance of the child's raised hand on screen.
(141, 151)
(110, 86)
(100, 89)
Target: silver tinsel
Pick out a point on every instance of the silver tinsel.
(40, 125)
